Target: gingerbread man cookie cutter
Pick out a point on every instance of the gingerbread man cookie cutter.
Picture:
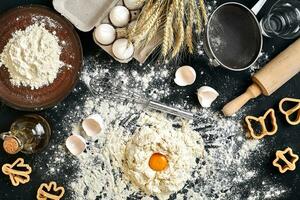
(262, 121)
(18, 172)
(289, 164)
(291, 111)
(50, 191)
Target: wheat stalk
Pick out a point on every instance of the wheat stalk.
(168, 17)
(189, 29)
(168, 30)
(147, 27)
(179, 39)
(203, 11)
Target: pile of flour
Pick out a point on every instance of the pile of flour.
(181, 146)
(32, 57)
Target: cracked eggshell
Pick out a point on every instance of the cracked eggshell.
(185, 75)
(133, 4)
(119, 16)
(93, 125)
(206, 96)
(76, 144)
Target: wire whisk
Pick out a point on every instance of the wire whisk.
(107, 89)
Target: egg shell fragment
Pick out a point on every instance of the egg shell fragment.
(119, 16)
(206, 96)
(76, 144)
(185, 76)
(93, 125)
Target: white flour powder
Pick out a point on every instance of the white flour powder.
(32, 57)
(226, 172)
(181, 146)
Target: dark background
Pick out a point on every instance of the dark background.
(215, 77)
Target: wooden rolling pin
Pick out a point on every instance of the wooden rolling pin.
(271, 77)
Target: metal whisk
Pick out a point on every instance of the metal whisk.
(102, 86)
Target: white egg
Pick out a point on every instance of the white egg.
(105, 34)
(185, 75)
(119, 16)
(206, 96)
(93, 125)
(76, 144)
(133, 4)
(123, 49)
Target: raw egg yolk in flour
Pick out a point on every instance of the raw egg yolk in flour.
(158, 162)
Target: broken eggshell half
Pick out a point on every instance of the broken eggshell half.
(185, 75)
(76, 144)
(93, 125)
(206, 96)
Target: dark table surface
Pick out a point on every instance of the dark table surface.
(217, 77)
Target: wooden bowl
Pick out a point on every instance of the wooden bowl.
(23, 98)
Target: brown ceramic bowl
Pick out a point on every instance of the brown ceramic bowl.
(23, 98)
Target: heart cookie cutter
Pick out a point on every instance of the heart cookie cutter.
(46, 191)
(262, 122)
(17, 176)
(290, 164)
(291, 111)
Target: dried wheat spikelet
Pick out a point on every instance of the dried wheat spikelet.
(174, 20)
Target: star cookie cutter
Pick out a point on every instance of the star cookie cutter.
(262, 121)
(18, 172)
(50, 191)
(289, 164)
(291, 111)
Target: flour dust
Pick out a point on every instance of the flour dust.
(226, 171)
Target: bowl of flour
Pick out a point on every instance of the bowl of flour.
(40, 57)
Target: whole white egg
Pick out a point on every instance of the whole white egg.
(119, 16)
(105, 34)
(123, 49)
(133, 4)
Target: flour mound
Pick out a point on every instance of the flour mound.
(181, 146)
(32, 57)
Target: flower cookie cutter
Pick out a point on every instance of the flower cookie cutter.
(289, 164)
(18, 172)
(262, 121)
(291, 111)
(50, 191)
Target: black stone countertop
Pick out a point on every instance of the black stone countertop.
(215, 77)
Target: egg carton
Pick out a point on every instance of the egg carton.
(87, 15)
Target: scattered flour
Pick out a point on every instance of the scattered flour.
(32, 57)
(226, 172)
(181, 146)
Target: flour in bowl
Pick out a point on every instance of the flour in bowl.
(32, 57)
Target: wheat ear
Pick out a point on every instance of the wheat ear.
(179, 39)
(203, 11)
(147, 27)
(168, 30)
(189, 29)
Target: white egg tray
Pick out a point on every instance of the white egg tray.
(88, 14)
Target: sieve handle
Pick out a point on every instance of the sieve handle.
(257, 7)
(170, 110)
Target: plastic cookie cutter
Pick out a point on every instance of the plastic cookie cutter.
(262, 121)
(18, 172)
(50, 191)
(289, 164)
(291, 111)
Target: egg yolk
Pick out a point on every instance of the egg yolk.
(158, 162)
